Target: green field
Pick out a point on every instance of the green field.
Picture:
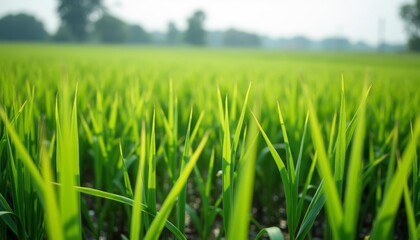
(131, 142)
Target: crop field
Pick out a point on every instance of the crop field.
(122, 142)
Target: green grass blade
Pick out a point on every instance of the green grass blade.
(113, 115)
(52, 213)
(392, 158)
(351, 127)
(227, 171)
(411, 220)
(299, 160)
(127, 183)
(158, 223)
(354, 176)
(24, 156)
(383, 224)
(197, 127)
(289, 156)
(206, 199)
(220, 107)
(7, 212)
(182, 198)
(306, 186)
(125, 200)
(135, 227)
(315, 206)
(340, 151)
(334, 209)
(332, 135)
(277, 159)
(291, 208)
(240, 122)
(273, 233)
(68, 163)
(151, 183)
(238, 229)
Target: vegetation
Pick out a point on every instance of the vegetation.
(21, 27)
(146, 143)
(410, 13)
(75, 16)
(195, 34)
(233, 37)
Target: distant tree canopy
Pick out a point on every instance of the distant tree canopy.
(63, 34)
(21, 27)
(136, 34)
(335, 43)
(110, 29)
(75, 15)
(195, 33)
(233, 37)
(172, 34)
(410, 13)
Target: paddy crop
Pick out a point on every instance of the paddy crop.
(151, 143)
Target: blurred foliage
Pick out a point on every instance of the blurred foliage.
(172, 34)
(75, 14)
(233, 37)
(137, 34)
(110, 29)
(21, 27)
(410, 13)
(195, 34)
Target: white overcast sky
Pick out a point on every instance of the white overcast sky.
(355, 19)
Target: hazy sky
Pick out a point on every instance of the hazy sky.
(356, 19)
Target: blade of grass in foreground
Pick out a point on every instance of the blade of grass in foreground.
(240, 122)
(24, 157)
(52, 213)
(383, 224)
(334, 210)
(274, 233)
(127, 184)
(128, 201)
(411, 220)
(238, 229)
(227, 171)
(6, 214)
(354, 176)
(135, 227)
(339, 161)
(159, 222)
(151, 183)
(182, 199)
(291, 209)
(68, 163)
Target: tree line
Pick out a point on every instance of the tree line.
(76, 25)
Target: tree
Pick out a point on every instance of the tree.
(172, 33)
(63, 34)
(136, 34)
(410, 13)
(233, 37)
(75, 15)
(195, 33)
(21, 27)
(335, 43)
(110, 29)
